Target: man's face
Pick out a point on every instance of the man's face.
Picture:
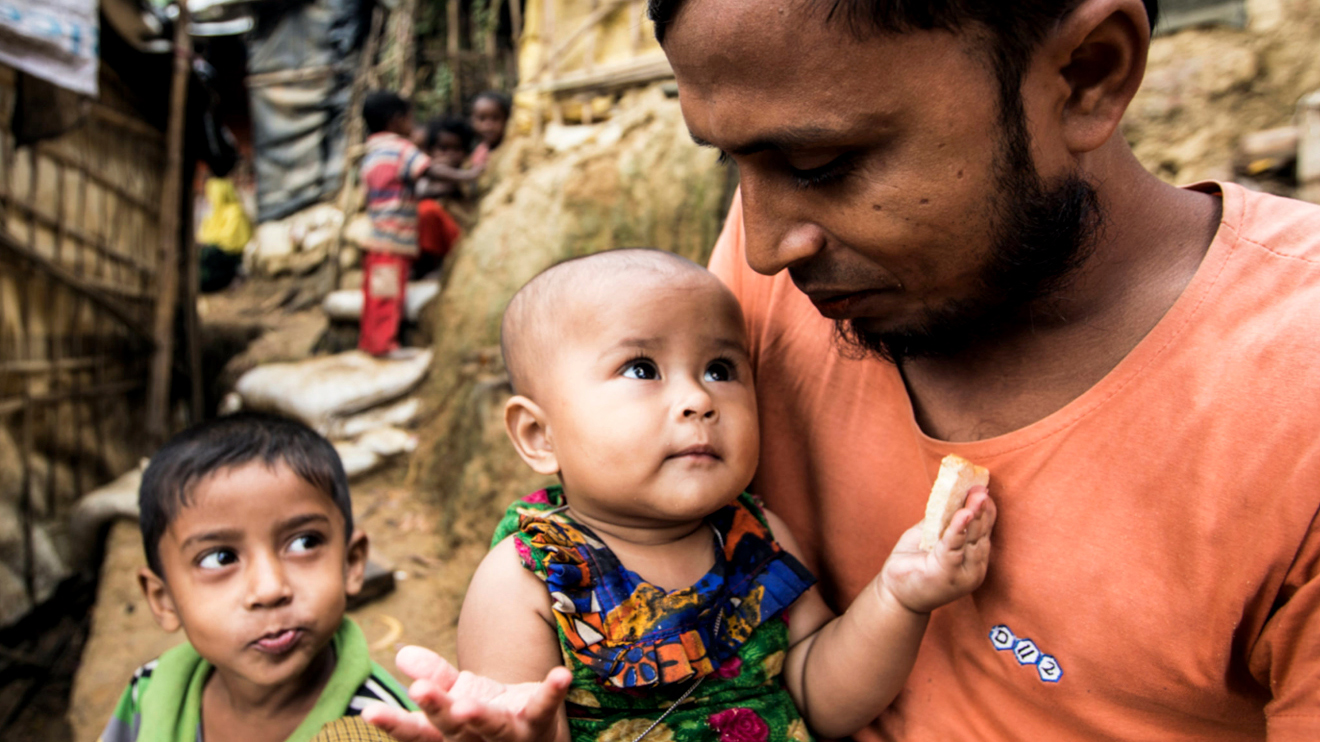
(258, 571)
(876, 169)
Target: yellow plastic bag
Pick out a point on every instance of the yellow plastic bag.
(227, 226)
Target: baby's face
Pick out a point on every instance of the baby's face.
(651, 408)
(258, 572)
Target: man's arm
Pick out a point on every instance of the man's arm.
(1286, 655)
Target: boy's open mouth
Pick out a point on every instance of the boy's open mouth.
(279, 642)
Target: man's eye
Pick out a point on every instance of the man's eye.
(825, 174)
(719, 371)
(641, 369)
(218, 559)
(305, 543)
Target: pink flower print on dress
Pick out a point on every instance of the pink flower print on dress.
(729, 669)
(739, 725)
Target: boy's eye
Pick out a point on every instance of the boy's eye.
(305, 543)
(719, 371)
(218, 559)
(643, 369)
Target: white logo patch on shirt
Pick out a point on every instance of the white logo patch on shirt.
(1026, 652)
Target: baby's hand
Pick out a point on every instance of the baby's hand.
(922, 581)
(463, 707)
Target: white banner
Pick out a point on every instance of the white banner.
(56, 40)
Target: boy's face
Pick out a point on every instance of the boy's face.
(257, 572)
(488, 119)
(649, 403)
(449, 149)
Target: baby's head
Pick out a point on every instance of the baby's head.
(248, 531)
(632, 384)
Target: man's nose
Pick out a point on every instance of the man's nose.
(777, 237)
(268, 584)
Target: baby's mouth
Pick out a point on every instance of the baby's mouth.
(699, 451)
(279, 642)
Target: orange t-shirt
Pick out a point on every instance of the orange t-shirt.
(1156, 564)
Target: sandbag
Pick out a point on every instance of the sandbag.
(373, 449)
(346, 305)
(401, 413)
(319, 390)
(118, 499)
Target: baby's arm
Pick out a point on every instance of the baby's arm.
(842, 672)
(512, 686)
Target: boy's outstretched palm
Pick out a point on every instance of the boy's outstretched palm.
(463, 707)
(924, 580)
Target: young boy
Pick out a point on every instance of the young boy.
(248, 532)
(442, 211)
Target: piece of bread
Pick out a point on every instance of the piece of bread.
(957, 476)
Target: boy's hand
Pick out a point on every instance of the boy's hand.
(463, 707)
(922, 581)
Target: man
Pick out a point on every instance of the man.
(944, 245)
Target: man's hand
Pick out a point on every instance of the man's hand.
(922, 581)
(463, 707)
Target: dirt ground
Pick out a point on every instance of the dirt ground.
(423, 609)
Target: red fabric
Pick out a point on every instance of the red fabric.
(384, 281)
(436, 229)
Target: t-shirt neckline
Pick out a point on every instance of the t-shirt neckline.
(1156, 342)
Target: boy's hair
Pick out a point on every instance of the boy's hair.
(226, 443)
(500, 98)
(450, 125)
(380, 108)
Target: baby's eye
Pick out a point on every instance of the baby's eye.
(719, 371)
(218, 559)
(305, 543)
(643, 369)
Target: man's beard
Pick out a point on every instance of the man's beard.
(1043, 233)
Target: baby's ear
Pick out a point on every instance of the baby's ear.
(159, 600)
(355, 562)
(526, 424)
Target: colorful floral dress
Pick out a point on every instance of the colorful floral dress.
(635, 649)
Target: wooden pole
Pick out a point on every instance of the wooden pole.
(451, 51)
(158, 396)
(353, 137)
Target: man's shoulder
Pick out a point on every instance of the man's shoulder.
(1283, 227)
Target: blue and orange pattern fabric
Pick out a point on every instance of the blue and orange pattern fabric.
(634, 648)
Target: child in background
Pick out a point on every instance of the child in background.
(490, 116)
(442, 214)
(249, 539)
(675, 599)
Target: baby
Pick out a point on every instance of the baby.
(676, 601)
(248, 531)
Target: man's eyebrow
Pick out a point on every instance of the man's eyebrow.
(802, 136)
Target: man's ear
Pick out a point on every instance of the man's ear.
(355, 561)
(1098, 52)
(525, 422)
(159, 600)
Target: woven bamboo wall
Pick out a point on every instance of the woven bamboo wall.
(78, 263)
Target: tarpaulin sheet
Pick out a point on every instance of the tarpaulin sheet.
(55, 40)
(298, 126)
